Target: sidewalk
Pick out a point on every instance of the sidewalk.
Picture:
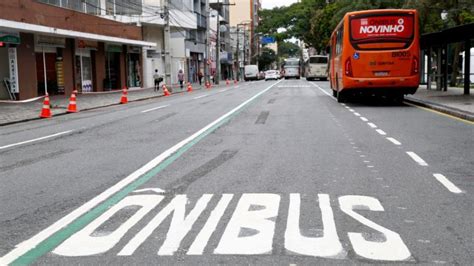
(452, 102)
(14, 112)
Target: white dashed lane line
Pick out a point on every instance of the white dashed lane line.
(156, 108)
(448, 184)
(394, 141)
(199, 97)
(381, 132)
(34, 140)
(441, 178)
(372, 125)
(417, 158)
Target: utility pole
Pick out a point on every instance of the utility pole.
(237, 56)
(218, 47)
(167, 37)
(208, 44)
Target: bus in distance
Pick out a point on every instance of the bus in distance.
(292, 68)
(375, 52)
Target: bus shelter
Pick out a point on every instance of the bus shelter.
(440, 57)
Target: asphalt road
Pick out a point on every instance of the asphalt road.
(263, 173)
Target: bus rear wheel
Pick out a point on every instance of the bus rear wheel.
(341, 97)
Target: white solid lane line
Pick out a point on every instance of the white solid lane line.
(364, 119)
(202, 96)
(448, 184)
(325, 92)
(156, 108)
(37, 139)
(394, 141)
(381, 132)
(372, 125)
(417, 158)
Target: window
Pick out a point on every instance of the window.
(124, 7)
(318, 60)
(85, 6)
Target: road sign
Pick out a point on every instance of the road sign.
(267, 39)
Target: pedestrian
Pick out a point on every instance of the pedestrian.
(158, 79)
(200, 77)
(181, 78)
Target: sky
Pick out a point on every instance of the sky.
(269, 4)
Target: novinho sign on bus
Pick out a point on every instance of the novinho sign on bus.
(382, 26)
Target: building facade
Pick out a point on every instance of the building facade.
(55, 49)
(220, 24)
(246, 12)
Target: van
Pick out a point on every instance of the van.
(251, 72)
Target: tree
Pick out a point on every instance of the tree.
(266, 58)
(288, 49)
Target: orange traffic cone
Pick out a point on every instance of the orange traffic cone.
(227, 82)
(124, 98)
(46, 111)
(165, 91)
(190, 87)
(235, 82)
(72, 108)
(208, 85)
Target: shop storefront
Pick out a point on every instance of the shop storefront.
(134, 66)
(49, 64)
(112, 66)
(83, 65)
(9, 87)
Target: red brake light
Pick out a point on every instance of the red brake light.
(348, 67)
(414, 66)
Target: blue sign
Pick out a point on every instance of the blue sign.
(267, 39)
(356, 55)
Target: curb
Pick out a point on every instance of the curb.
(441, 108)
(101, 106)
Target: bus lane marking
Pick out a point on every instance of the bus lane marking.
(48, 239)
(250, 230)
(37, 139)
(447, 183)
(417, 158)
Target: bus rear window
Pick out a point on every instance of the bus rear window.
(385, 28)
(318, 60)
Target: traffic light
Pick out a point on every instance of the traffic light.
(2, 44)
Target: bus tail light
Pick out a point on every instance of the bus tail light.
(348, 67)
(414, 66)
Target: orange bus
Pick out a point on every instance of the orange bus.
(375, 52)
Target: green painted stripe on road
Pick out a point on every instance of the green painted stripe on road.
(57, 238)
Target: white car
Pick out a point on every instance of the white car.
(272, 75)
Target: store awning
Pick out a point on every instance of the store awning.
(33, 28)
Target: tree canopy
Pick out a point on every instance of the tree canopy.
(312, 21)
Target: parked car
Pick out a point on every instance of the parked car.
(272, 75)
